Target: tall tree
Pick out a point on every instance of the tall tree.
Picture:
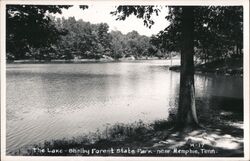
(214, 29)
(103, 38)
(186, 115)
(117, 44)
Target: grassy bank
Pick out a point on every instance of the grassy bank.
(222, 136)
(224, 67)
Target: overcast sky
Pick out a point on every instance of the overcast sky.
(101, 13)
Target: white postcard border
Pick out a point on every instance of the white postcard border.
(244, 3)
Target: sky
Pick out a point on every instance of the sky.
(101, 13)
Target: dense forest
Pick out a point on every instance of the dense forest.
(94, 41)
(34, 35)
(78, 39)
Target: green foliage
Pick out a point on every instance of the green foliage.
(131, 44)
(218, 32)
(141, 12)
(33, 33)
(30, 27)
(85, 40)
(79, 41)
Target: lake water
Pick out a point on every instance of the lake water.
(54, 101)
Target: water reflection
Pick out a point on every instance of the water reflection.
(52, 101)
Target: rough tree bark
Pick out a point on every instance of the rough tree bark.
(186, 114)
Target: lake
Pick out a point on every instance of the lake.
(54, 101)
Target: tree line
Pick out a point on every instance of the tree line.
(93, 41)
(33, 34)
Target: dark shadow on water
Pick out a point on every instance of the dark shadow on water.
(227, 103)
(222, 136)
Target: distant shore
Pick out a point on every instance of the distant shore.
(102, 60)
(230, 67)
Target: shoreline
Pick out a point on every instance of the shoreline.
(209, 68)
(79, 61)
(217, 71)
(228, 67)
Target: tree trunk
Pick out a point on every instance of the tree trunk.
(205, 55)
(171, 59)
(237, 50)
(186, 114)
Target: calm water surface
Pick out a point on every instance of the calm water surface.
(54, 101)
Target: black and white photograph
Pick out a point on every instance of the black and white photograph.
(103, 79)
